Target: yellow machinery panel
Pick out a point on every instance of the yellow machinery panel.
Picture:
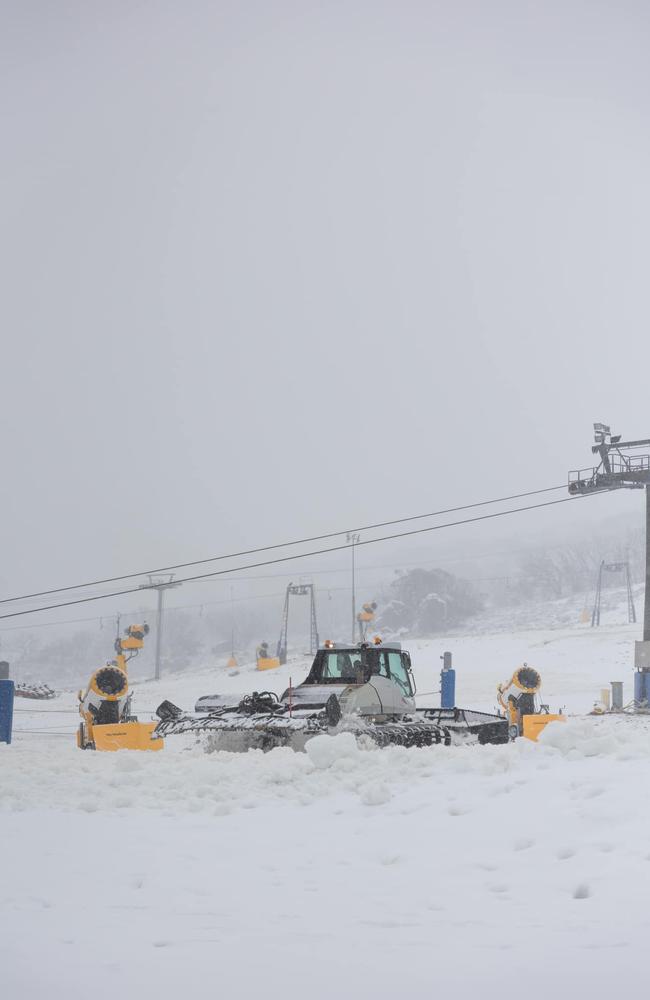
(131, 642)
(533, 724)
(126, 736)
(268, 663)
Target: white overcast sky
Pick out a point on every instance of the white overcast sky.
(271, 268)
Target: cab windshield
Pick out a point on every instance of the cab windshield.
(342, 665)
(358, 666)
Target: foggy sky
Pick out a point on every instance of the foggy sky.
(279, 268)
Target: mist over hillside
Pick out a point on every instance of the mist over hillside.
(204, 624)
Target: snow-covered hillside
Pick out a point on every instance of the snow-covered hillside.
(349, 872)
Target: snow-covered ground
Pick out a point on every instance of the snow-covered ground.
(361, 873)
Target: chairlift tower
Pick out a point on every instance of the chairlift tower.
(623, 465)
(160, 584)
(298, 590)
(613, 567)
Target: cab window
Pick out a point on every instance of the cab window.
(340, 665)
(398, 672)
(380, 663)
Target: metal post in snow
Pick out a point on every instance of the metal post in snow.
(161, 586)
(354, 601)
(353, 538)
(159, 623)
(646, 605)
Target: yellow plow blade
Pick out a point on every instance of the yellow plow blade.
(533, 724)
(126, 736)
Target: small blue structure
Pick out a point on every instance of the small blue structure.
(6, 710)
(447, 683)
(641, 687)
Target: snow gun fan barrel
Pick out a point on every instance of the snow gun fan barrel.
(527, 679)
(110, 682)
(105, 705)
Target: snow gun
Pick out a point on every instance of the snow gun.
(519, 699)
(105, 706)
(365, 617)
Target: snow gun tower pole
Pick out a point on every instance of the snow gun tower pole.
(352, 538)
(622, 467)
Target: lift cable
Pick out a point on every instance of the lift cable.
(269, 548)
(109, 618)
(301, 555)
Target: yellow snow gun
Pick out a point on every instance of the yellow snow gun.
(519, 698)
(263, 660)
(365, 617)
(105, 705)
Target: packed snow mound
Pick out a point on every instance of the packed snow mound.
(217, 784)
(624, 737)
(325, 751)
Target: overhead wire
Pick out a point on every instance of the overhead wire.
(278, 545)
(152, 611)
(440, 562)
(283, 559)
